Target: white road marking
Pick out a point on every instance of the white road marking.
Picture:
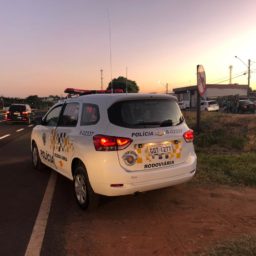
(37, 236)
(20, 130)
(5, 136)
(30, 125)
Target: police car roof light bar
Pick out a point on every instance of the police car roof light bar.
(73, 91)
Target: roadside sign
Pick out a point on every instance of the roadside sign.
(201, 89)
(201, 80)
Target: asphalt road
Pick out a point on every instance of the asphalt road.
(21, 189)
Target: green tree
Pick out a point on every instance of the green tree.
(1, 103)
(125, 84)
(33, 100)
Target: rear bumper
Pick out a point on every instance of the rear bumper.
(131, 188)
(16, 120)
(213, 109)
(132, 182)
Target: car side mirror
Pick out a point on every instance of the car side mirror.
(42, 121)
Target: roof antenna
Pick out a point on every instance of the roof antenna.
(126, 79)
(110, 51)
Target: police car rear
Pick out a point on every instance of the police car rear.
(153, 143)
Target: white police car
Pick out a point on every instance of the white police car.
(115, 144)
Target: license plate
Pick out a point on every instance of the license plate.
(16, 113)
(162, 149)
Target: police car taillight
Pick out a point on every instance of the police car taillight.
(189, 136)
(110, 143)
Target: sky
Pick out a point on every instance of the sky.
(49, 45)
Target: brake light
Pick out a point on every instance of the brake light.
(110, 143)
(24, 113)
(123, 141)
(189, 136)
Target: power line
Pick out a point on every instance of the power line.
(219, 81)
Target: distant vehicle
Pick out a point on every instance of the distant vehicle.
(2, 115)
(19, 113)
(210, 105)
(253, 101)
(115, 144)
(246, 106)
(182, 105)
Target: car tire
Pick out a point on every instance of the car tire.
(84, 194)
(36, 161)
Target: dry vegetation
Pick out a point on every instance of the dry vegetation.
(224, 132)
(226, 149)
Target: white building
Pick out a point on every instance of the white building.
(188, 94)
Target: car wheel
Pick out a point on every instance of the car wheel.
(84, 194)
(36, 161)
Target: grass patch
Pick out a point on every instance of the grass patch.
(222, 137)
(227, 169)
(226, 151)
(226, 148)
(245, 246)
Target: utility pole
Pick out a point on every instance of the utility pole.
(230, 74)
(167, 88)
(101, 79)
(249, 73)
(249, 69)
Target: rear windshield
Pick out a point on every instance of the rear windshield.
(19, 108)
(145, 113)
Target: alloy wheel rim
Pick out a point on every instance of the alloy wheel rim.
(80, 189)
(35, 158)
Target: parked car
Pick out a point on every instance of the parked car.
(253, 101)
(19, 113)
(2, 115)
(246, 106)
(115, 144)
(210, 105)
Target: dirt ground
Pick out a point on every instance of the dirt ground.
(180, 220)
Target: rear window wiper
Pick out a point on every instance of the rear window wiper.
(181, 120)
(145, 124)
(167, 122)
